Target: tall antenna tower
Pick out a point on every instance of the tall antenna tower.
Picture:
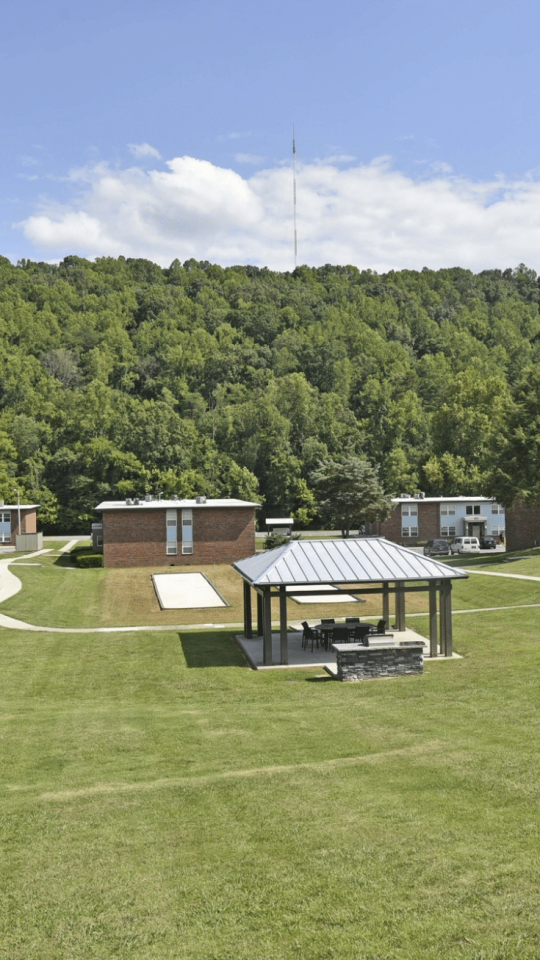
(294, 196)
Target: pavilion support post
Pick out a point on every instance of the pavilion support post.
(248, 625)
(259, 615)
(442, 621)
(386, 603)
(267, 626)
(446, 615)
(433, 626)
(283, 639)
(400, 605)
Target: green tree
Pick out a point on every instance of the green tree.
(350, 493)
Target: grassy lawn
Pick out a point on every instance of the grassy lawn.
(56, 594)
(160, 800)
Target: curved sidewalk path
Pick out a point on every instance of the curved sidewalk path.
(10, 585)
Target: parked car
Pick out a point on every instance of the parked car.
(465, 545)
(488, 543)
(437, 547)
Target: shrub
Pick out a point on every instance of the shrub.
(89, 560)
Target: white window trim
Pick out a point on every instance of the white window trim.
(409, 531)
(187, 531)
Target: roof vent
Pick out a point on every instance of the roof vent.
(404, 496)
(200, 499)
(417, 496)
(422, 495)
(175, 497)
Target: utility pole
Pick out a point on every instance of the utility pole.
(294, 196)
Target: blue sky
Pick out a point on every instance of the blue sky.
(165, 130)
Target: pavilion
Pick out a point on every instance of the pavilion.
(368, 565)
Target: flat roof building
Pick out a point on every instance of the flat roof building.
(429, 518)
(151, 531)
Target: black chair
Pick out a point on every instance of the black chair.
(309, 635)
(352, 619)
(328, 620)
(361, 634)
(380, 628)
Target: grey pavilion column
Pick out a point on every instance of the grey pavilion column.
(267, 626)
(259, 614)
(386, 603)
(248, 624)
(446, 616)
(433, 618)
(400, 605)
(283, 639)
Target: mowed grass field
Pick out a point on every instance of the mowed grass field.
(161, 800)
(57, 594)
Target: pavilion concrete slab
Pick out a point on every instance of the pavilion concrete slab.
(253, 650)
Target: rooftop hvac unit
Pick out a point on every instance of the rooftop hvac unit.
(136, 501)
(148, 498)
(422, 495)
(417, 496)
(129, 503)
(200, 499)
(405, 496)
(175, 497)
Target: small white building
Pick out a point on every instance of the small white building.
(282, 525)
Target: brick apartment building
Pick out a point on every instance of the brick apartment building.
(155, 532)
(429, 518)
(9, 523)
(523, 526)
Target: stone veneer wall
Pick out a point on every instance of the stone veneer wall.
(522, 526)
(356, 662)
(136, 537)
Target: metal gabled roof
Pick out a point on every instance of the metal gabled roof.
(366, 560)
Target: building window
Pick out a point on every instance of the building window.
(172, 532)
(187, 531)
(496, 508)
(448, 531)
(409, 532)
(5, 527)
(448, 510)
(497, 529)
(409, 509)
(471, 510)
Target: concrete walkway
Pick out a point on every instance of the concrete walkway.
(491, 573)
(9, 583)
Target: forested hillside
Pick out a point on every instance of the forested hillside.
(119, 377)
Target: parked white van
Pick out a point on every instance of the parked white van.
(465, 545)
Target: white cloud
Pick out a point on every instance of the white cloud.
(369, 215)
(143, 150)
(250, 158)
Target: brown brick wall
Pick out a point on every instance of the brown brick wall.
(28, 523)
(136, 538)
(428, 525)
(522, 526)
